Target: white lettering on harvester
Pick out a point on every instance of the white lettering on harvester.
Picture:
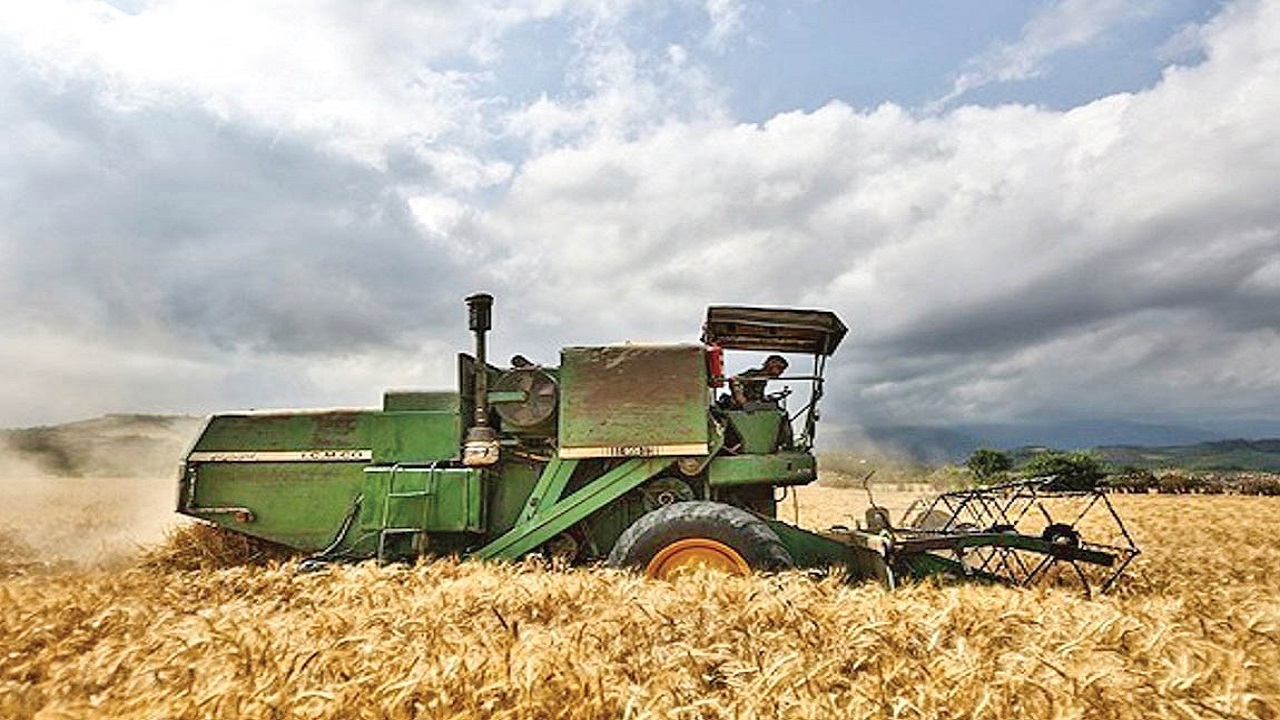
(281, 456)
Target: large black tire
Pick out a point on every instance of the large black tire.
(746, 534)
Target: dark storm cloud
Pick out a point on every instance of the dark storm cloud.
(1096, 291)
(165, 219)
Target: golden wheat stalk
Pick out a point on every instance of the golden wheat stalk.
(193, 631)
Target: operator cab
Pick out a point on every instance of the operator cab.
(761, 424)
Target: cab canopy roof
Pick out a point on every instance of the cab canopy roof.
(816, 332)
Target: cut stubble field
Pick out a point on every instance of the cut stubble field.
(99, 619)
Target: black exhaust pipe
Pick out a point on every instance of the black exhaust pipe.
(481, 445)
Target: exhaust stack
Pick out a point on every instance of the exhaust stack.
(481, 444)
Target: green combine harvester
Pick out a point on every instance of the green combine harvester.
(631, 455)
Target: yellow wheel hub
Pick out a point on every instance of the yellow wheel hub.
(688, 554)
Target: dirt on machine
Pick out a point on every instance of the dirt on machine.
(630, 455)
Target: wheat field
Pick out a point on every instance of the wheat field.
(148, 628)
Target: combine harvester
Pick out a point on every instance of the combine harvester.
(627, 454)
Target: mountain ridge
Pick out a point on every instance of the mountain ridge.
(1115, 441)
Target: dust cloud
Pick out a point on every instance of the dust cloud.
(86, 522)
(89, 494)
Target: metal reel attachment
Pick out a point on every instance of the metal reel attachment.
(1027, 532)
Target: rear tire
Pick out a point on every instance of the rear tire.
(681, 536)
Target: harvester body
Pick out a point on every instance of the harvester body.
(628, 454)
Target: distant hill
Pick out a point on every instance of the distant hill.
(110, 446)
(1119, 442)
(951, 444)
(1262, 455)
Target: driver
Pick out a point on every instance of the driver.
(749, 386)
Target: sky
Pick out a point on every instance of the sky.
(1024, 211)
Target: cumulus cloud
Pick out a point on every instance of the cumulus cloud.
(351, 77)
(1134, 239)
(216, 234)
(224, 219)
(248, 198)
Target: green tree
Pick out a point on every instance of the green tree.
(988, 465)
(1072, 471)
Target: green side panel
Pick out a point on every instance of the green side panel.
(510, 485)
(279, 431)
(759, 429)
(446, 401)
(786, 468)
(292, 477)
(632, 399)
(416, 437)
(810, 550)
(391, 437)
(301, 505)
(418, 498)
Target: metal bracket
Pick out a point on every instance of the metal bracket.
(551, 521)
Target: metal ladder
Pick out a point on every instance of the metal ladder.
(428, 491)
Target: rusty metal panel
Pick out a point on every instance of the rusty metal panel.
(633, 400)
(817, 332)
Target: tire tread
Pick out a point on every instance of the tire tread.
(749, 535)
